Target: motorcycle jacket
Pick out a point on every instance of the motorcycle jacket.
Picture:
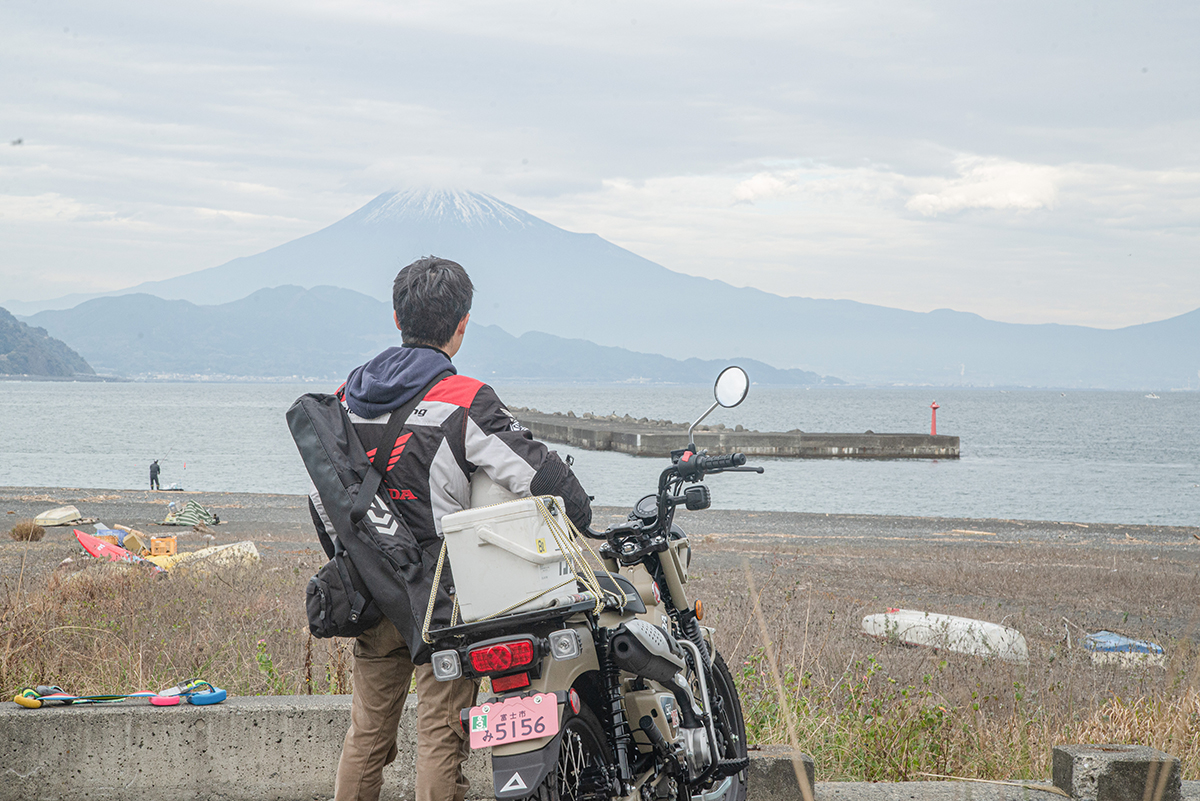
(459, 427)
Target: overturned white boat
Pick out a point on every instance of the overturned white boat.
(962, 635)
(59, 516)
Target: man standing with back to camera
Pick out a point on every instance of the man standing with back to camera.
(460, 426)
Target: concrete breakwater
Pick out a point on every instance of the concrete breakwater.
(644, 437)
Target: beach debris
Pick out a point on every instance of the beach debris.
(195, 691)
(1110, 648)
(162, 546)
(109, 535)
(163, 555)
(234, 557)
(59, 516)
(962, 635)
(110, 551)
(191, 514)
(26, 531)
(133, 540)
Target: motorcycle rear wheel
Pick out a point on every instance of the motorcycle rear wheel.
(582, 757)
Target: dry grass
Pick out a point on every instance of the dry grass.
(27, 531)
(864, 710)
(109, 628)
(870, 711)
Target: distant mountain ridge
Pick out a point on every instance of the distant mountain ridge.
(324, 332)
(533, 276)
(27, 350)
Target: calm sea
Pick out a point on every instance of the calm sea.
(1115, 457)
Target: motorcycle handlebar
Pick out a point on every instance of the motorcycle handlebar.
(705, 463)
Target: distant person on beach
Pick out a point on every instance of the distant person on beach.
(460, 426)
(154, 471)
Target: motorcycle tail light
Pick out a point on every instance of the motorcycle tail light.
(503, 656)
(506, 683)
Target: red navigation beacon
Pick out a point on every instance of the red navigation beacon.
(933, 425)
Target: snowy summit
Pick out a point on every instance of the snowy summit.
(473, 209)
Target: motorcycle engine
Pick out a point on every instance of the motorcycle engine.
(696, 749)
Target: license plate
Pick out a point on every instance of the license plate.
(514, 720)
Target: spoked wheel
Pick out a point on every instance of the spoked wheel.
(730, 725)
(582, 757)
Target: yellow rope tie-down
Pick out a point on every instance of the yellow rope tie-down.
(570, 543)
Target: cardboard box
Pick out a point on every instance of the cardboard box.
(162, 546)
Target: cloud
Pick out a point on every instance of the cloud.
(989, 183)
(882, 153)
(763, 186)
(51, 207)
(1111, 243)
(822, 182)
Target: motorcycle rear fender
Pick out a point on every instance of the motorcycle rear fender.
(556, 676)
(515, 775)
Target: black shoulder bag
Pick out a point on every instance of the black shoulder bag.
(337, 599)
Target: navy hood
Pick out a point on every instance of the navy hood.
(393, 378)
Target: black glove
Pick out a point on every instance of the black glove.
(555, 478)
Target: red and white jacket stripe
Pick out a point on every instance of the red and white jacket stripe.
(461, 426)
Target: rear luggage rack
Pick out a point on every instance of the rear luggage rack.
(519, 621)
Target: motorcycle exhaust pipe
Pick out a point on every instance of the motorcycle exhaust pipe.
(644, 650)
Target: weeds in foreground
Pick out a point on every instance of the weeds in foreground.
(870, 726)
(27, 531)
(864, 710)
(106, 629)
(867, 710)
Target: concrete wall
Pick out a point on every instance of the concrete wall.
(286, 749)
(262, 748)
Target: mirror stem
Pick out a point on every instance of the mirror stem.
(692, 442)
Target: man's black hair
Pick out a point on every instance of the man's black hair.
(430, 296)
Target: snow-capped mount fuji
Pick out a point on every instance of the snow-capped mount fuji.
(444, 207)
(531, 276)
(366, 249)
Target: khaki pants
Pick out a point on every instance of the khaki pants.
(382, 673)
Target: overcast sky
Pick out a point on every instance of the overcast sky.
(1030, 162)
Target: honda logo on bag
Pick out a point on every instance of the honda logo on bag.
(401, 494)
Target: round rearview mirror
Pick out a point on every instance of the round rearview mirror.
(732, 386)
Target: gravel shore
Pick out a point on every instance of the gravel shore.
(1097, 574)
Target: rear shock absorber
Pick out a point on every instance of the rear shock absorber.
(621, 737)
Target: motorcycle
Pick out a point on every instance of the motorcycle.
(622, 696)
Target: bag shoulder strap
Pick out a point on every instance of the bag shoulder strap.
(383, 451)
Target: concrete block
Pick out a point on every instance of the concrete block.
(265, 748)
(772, 776)
(1116, 773)
(282, 748)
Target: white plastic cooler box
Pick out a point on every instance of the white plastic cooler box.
(503, 555)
